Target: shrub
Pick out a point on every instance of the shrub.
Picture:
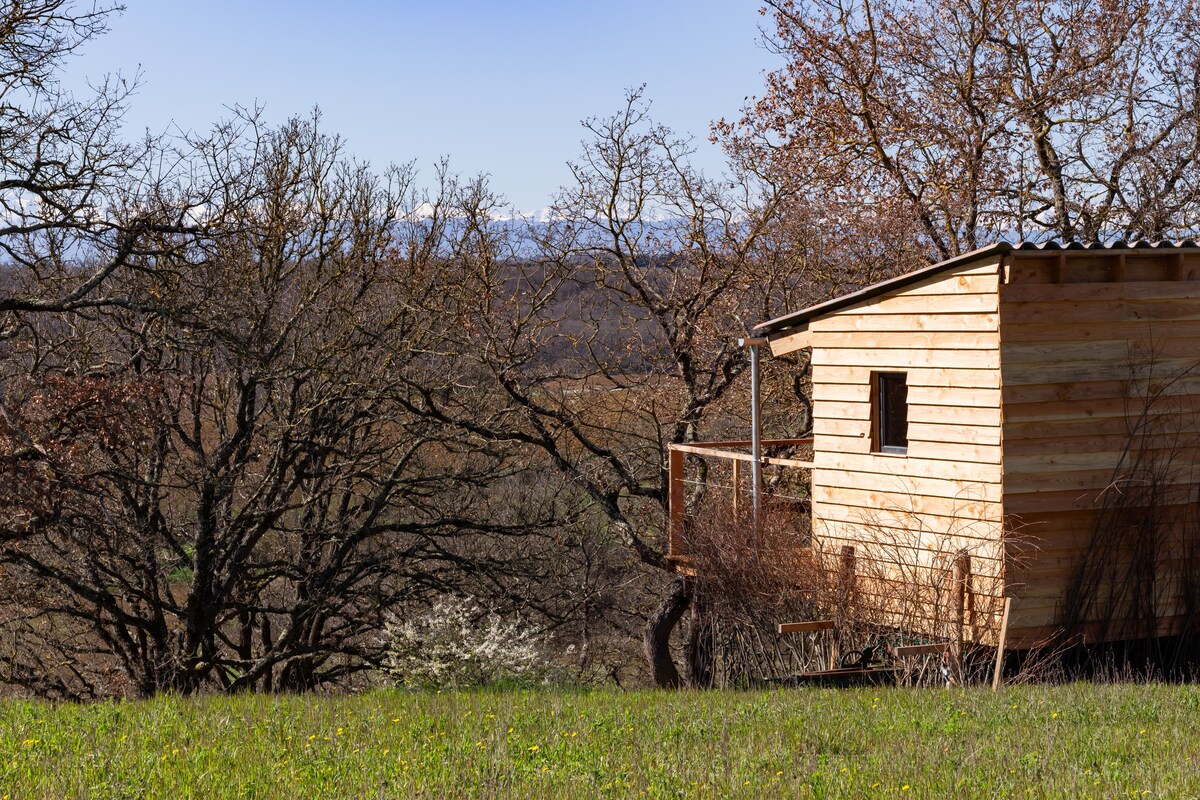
(458, 643)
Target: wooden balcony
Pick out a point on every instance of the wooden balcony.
(726, 469)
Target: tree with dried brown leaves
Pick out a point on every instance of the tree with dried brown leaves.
(919, 131)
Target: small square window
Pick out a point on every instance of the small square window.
(889, 412)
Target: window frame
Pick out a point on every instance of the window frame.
(883, 439)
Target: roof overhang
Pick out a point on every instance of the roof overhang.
(788, 323)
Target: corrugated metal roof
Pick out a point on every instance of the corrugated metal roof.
(804, 316)
(1119, 244)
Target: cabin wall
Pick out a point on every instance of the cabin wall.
(1101, 399)
(909, 516)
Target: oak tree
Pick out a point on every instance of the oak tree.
(926, 130)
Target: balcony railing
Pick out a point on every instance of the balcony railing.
(727, 467)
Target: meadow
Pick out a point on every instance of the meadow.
(1081, 740)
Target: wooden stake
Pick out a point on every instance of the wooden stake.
(962, 581)
(1000, 645)
(847, 576)
(675, 545)
(737, 485)
(846, 586)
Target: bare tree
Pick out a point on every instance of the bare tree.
(213, 348)
(212, 485)
(609, 333)
(76, 198)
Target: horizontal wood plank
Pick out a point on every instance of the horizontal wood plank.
(1036, 627)
(1065, 352)
(953, 396)
(907, 322)
(954, 415)
(901, 359)
(959, 447)
(964, 490)
(891, 340)
(1086, 311)
(1139, 374)
(917, 395)
(1114, 407)
(928, 376)
(805, 627)
(885, 559)
(905, 520)
(897, 501)
(917, 413)
(1100, 294)
(912, 466)
(955, 450)
(921, 304)
(1053, 460)
(1134, 329)
(1070, 480)
(976, 283)
(1065, 426)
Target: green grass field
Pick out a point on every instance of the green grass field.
(1066, 741)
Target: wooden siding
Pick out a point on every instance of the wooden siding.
(1083, 339)
(909, 515)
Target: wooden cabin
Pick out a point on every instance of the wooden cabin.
(1035, 406)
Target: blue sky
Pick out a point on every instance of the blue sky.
(497, 87)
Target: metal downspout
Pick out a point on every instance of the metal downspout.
(755, 435)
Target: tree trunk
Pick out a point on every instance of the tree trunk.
(298, 675)
(657, 640)
(700, 646)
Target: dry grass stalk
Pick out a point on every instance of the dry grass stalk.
(896, 586)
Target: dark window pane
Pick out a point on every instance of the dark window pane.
(893, 410)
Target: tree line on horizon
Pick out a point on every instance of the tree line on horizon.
(259, 397)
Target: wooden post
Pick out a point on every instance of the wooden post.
(963, 599)
(846, 573)
(675, 544)
(737, 480)
(847, 577)
(969, 596)
(1000, 645)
